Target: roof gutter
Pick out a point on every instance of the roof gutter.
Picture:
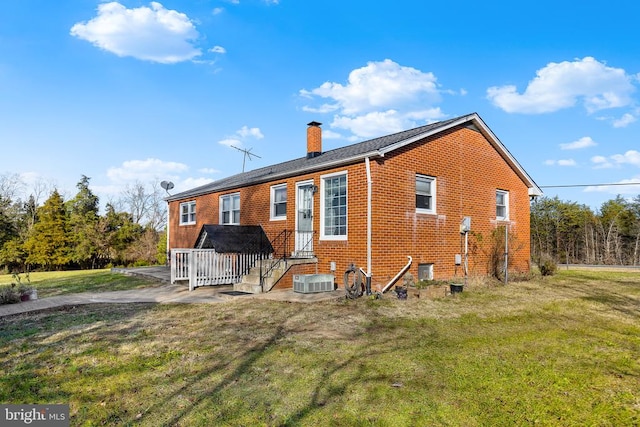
(295, 172)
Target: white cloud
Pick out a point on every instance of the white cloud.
(379, 85)
(323, 109)
(329, 134)
(148, 33)
(145, 171)
(601, 162)
(631, 157)
(218, 49)
(562, 162)
(230, 141)
(624, 186)
(378, 98)
(562, 85)
(624, 121)
(190, 183)
(583, 142)
(246, 132)
(383, 122)
(218, 10)
(241, 135)
(208, 170)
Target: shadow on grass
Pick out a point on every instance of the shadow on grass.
(336, 378)
(29, 340)
(623, 304)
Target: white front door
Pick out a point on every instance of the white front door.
(304, 219)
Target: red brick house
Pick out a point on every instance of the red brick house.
(377, 203)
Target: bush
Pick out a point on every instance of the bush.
(9, 294)
(547, 265)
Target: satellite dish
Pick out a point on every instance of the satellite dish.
(167, 185)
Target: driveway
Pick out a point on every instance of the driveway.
(164, 294)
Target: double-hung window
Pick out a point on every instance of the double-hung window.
(425, 194)
(230, 209)
(502, 205)
(333, 222)
(188, 213)
(279, 202)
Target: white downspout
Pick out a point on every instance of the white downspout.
(369, 196)
(168, 228)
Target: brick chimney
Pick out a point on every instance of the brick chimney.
(314, 140)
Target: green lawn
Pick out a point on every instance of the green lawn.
(52, 283)
(563, 351)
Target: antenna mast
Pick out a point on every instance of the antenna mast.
(247, 153)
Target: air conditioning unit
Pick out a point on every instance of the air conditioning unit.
(312, 283)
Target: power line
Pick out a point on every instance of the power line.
(589, 185)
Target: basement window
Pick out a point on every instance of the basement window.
(425, 271)
(188, 213)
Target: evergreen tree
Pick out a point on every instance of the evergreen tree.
(85, 235)
(7, 223)
(48, 243)
(120, 233)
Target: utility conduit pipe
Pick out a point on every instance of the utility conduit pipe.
(399, 275)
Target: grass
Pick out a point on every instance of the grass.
(559, 351)
(53, 283)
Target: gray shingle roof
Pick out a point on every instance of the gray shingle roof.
(339, 156)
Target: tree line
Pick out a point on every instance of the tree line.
(575, 234)
(65, 234)
(73, 234)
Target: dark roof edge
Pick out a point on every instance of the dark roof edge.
(534, 190)
(205, 189)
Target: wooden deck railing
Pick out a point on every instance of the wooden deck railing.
(202, 267)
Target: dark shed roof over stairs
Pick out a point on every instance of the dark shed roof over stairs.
(233, 239)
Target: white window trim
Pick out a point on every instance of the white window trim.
(272, 214)
(220, 216)
(323, 178)
(434, 191)
(192, 211)
(506, 204)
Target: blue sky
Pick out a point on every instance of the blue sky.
(147, 91)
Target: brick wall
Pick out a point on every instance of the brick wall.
(468, 171)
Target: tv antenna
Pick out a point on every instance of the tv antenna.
(247, 153)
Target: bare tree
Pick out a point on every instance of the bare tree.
(145, 204)
(11, 186)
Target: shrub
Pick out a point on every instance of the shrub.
(547, 265)
(9, 294)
